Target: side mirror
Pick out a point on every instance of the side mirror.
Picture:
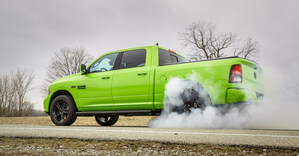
(83, 68)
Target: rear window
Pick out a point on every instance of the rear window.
(134, 58)
(167, 57)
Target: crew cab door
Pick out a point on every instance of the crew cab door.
(94, 88)
(131, 82)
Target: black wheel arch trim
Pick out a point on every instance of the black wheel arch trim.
(61, 92)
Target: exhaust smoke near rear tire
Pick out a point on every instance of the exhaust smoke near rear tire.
(269, 114)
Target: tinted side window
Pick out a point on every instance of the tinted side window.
(174, 58)
(134, 58)
(105, 63)
(182, 59)
(166, 57)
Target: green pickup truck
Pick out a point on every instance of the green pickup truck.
(132, 82)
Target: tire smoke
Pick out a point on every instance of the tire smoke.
(278, 110)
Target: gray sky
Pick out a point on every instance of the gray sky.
(32, 30)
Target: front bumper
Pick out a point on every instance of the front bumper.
(46, 104)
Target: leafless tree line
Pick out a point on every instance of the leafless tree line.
(13, 90)
(206, 43)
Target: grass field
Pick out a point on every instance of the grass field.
(45, 120)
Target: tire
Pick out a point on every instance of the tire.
(63, 110)
(106, 120)
(194, 97)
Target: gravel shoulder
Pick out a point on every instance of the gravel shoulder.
(39, 146)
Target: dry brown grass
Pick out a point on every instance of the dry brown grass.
(45, 120)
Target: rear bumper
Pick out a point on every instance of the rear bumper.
(239, 95)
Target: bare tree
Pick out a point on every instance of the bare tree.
(21, 82)
(4, 84)
(206, 43)
(7, 95)
(250, 49)
(65, 62)
(13, 90)
(28, 109)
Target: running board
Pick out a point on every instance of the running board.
(121, 112)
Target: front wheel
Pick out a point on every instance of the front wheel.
(63, 111)
(106, 120)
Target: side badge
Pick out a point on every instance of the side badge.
(81, 87)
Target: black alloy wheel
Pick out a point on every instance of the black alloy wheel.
(62, 111)
(106, 120)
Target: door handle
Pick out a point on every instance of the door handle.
(142, 74)
(105, 78)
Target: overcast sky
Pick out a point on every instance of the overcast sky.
(32, 30)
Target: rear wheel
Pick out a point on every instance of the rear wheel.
(193, 97)
(106, 120)
(63, 111)
(191, 103)
(195, 103)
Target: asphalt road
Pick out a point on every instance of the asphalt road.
(277, 138)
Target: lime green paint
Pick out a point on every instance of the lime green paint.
(142, 88)
(239, 95)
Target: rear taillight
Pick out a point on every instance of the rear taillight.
(235, 75)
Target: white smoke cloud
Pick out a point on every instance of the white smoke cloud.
(278, 110)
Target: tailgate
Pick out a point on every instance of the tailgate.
(252, 76)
